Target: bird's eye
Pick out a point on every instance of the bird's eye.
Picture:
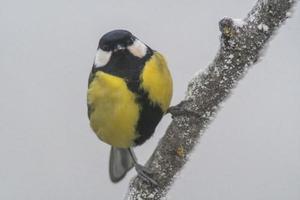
(105, 47)
(129, 41)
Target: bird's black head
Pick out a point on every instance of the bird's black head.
(118, 45)
(116, 40)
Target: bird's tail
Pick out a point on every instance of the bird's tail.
(120, 162)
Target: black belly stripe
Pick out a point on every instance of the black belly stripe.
(150, 115)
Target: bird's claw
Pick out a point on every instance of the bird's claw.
(180, 110)
(144, 172)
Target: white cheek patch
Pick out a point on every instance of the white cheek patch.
(138, 48)
(102, 57)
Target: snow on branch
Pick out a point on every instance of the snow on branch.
(242, 42)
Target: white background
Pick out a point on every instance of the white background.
(47, 150)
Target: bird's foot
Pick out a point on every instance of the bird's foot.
(144, 172)
(180, 110)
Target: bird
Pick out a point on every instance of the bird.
(129, 91)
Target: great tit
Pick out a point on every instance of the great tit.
(129, 91)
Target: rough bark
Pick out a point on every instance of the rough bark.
(242, 42)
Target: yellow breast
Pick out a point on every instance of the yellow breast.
(114, 111)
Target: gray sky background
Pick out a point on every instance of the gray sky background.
(47, 150)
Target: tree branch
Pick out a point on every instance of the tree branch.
(242, 42)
